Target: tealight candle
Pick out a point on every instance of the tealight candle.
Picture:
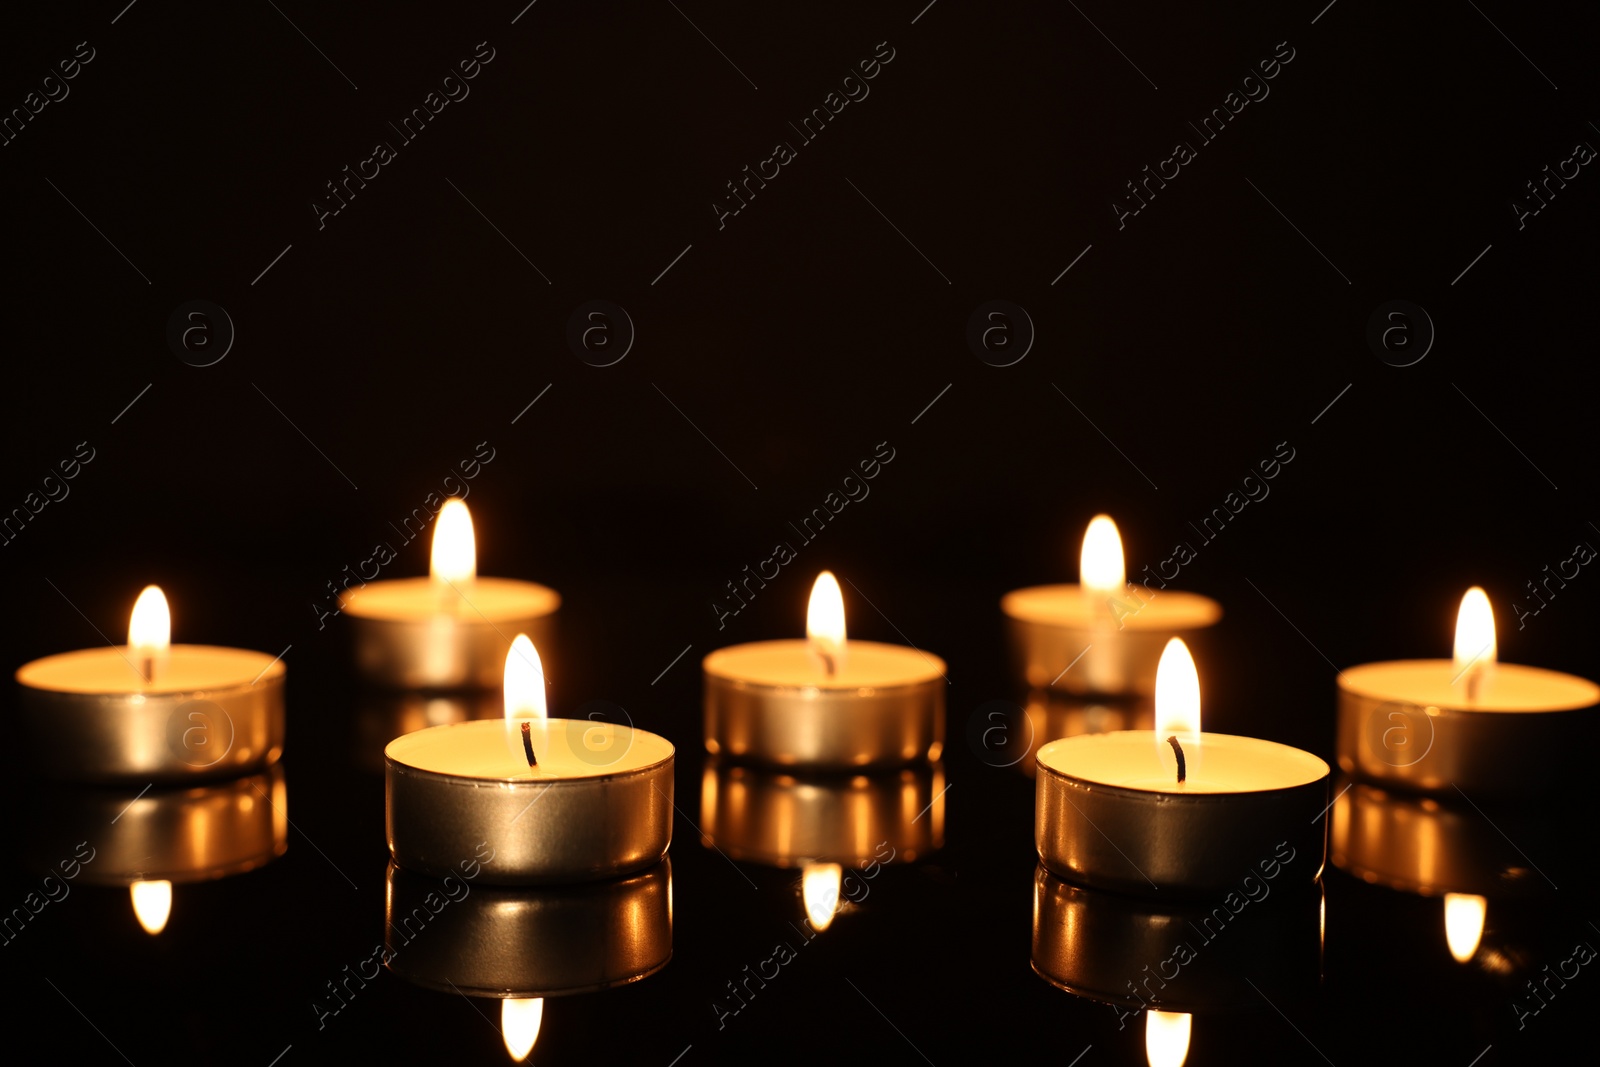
(1103, 636)
(1467, 722)
(451, 629)
(559, 800)
(824, 702)
(151, 711)
(1174, 810)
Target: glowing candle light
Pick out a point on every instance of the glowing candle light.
(604, 791)
(826, 701)
(1103, 636)
(1469, 722)
(152, 711)
(448, 630)
(1174, 810)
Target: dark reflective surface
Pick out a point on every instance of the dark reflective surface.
(366, 365)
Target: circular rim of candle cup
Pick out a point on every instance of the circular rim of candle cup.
(428, 815)
(1478, 750)
(115, 739)
(813, 807)
(1112, 940)
(824, 727)
(442, 651)
(1374, 834)
(1088, 660)
(1098, 835)
(590, 936)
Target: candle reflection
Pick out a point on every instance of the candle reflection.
(819, 886)
(151, 841)
(519, 1024)
(152, 904)
(788, 820)
(1166, 1037)
(1425, 847)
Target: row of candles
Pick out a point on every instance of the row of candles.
(1171, 810)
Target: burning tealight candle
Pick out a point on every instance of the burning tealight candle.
(151, 711)
(448, 630)
(1469, 722)
(1175, 810)
(559, 800)
(824, 701)
(1103, 636)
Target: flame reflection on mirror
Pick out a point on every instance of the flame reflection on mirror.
(1166, 1037)
(1464, 914)
(819, 886)
(152, 904)
(519, 1024)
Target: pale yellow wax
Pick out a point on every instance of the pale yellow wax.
(1219, 763)
(179, 669)
(1501, 687)
(492, 749)
(477, 599)
(1138, 608)
(792, 664)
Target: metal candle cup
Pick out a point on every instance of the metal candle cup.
(599, 803)
(771, 702)
(1050, 715)
(1080, 641)
(1109, 818)
(424, 633)
(1410, 724)
(383, 715)
(778, 819)
(492, 942)
(208, 712)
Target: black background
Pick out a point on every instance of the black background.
(383, 347)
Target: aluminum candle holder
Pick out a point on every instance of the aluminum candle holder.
(591, 809)
(456, 936)
(1058, 640)
(151, 711)
(409, 636)
(781, 820)
(1156, 837)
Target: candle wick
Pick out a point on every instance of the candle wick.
(828, 662)
(1472, 685)
(527, 745)
(149, 669)
(1178, 751)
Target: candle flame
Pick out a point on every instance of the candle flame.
(825, 621)
(519, 1024)
(1166, 1037)
(819, 886)
(1463, 923)
(1475, 647)
(524, 682)
(455, 550)
(152, 903)
(1178, 698)
(150, 626)
(1100, 565)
